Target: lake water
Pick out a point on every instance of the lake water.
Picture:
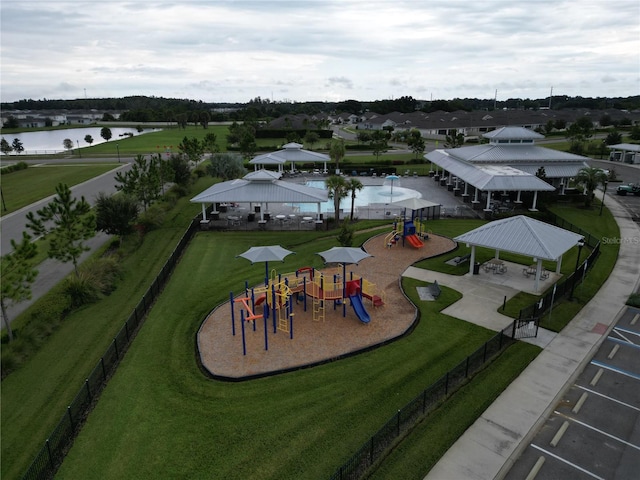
(50, 141)
(369, 195)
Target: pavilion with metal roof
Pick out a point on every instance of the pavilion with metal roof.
(525, 236)
(625, 152)
(260, 187)
(508, 163)
(292, 153)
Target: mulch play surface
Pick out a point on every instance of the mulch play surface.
(221, 353)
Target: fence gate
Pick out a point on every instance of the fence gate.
(525, 327)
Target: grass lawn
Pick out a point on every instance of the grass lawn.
(161, 416)
(24, 187)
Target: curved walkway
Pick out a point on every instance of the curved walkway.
(490, 446)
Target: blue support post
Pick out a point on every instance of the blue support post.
(244, 344)
(233, 322)
(266, 334)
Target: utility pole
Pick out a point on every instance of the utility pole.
(550, 97)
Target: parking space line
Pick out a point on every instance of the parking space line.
(613, 369)
(613, 351)
(635, 319)
(593, 475)
(586, 425)
(609, 398)
(596, 377)
(626, 341)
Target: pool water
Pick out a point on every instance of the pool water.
(369, 195)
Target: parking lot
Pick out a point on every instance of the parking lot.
(626, 174)
(594, 430)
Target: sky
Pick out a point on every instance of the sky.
(307, 50)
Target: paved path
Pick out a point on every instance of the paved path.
(490, 446)
(51, 272)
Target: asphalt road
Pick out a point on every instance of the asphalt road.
(13, 224)
(626, 174)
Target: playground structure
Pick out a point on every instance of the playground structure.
(413, 231)
(274, 302)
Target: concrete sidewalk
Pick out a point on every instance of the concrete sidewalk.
(490, 446)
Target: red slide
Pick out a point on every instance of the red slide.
(415, 241)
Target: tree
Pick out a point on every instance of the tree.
(192, 148)
(354, 186)
(142, 181)
(67, 222)
(590, 178)
(613, 137)
(338, 189)
(88, 139)
(247, 143)
(379, 143)
(67, 143)
(226, 166)
(311, 138)
(179, 170)
(454, 140)
(17, 146)
(17, 276)
(336, 152)
(416, 143)
(205, 118)
(345, 236)
(210, 142)
(115, 214)
(105, 133)
(5, 147)
(12, 122)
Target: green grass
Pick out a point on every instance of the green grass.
(25, 187)
(417, 454)
(302, 424)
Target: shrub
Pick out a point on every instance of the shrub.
(152, 218)
(15, 167)
(634, 300)
(95, 278)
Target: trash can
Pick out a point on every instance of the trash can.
(251, 217)
(476, 268)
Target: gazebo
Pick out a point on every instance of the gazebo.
(292, 153)
(260, 187)
(525, 236)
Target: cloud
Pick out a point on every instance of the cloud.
(234, 51)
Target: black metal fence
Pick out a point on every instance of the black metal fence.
(52, 453)
(567, 286)
(412, 413)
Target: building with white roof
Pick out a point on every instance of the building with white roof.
(510, 162)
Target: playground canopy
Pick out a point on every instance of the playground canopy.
(292, 153)
(344, 255)
(261, 187)
(525, 236)
(266, 253)
(414, 204)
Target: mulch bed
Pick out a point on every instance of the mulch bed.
(314, 342)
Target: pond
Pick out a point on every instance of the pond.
(50, 141)
(369, 195)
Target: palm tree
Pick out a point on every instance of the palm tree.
(590, 178)
(336, 152)
(354, 185)
(338, 189)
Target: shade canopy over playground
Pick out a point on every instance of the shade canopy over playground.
(260, 187)
(415, 204)
(525, 236)
(292, 153)
(266, 254)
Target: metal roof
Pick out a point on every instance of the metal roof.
(561, 170)
(629, 147)
(523, 235)
(489, 177)
(512, 154)
(513, 133)
(255, 188)
(291, 152)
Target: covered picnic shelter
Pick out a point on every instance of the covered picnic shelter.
(261, 187)
(292, 153)
(525, 236)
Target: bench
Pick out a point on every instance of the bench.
(434, 289)
(462, 259)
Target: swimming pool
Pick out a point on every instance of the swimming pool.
(369, 195)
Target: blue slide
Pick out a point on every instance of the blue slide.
(358, 307)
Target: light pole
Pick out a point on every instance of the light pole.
(78, 143)
(118, 149)
(575, 272)
(603, 194)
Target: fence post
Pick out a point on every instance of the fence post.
(126, 330)
(86, 384)
(49, 452)
(466, 368)
(513, 333)
(398, 424)
(115, 344)
(484, 353)
(70, 417)
(104, 370)
(371, 452)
